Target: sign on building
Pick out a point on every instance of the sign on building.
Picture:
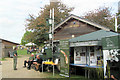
(54, 0)
(111, 42)
(111, 50)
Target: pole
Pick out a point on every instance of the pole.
(52, 34)
(53, 24)
(50, 31)
(116, 23)
(42, 67)
(50, 19)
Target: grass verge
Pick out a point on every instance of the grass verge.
(22, 52)
(3, 59)
(58, 77)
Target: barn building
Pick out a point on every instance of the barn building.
(5, 47)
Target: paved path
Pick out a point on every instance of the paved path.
(0, 72)
(8, 72)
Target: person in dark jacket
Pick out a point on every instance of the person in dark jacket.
(15, 58)
(38, 62)
(30, 61)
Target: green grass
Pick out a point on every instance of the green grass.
(50, 75)
(3, 59)
(58, 77)
(22, 52)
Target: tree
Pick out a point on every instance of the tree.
(26, 39)
(38, 25)
(101, 16)
(118, 21)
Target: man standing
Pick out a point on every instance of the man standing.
(15, 58)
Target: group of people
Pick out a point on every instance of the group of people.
(29, 50)
(33, 60)
(37, 61)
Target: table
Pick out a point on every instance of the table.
(85, 65)
(48, 63)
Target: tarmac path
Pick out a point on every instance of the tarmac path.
(0, 72)
(8, 72)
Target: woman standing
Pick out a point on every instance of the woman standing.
(15, 58)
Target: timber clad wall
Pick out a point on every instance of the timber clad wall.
(5, 47)
(8, 43)
(73, 27)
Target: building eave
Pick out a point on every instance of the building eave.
(83, 20)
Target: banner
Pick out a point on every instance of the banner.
(64, 58)
(111, 42)
(111, 55)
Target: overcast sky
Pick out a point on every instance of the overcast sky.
(14, 12)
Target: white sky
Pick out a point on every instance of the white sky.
(14, 12)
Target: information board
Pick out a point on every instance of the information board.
(111, 42)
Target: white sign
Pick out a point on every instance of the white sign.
(90, 43)
(50, 36)
(54, 0)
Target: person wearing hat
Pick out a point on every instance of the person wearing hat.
(30, 61)
(15, 58)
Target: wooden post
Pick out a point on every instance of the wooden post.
(42, 66)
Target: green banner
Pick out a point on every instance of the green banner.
(64, 58)
(112, 42)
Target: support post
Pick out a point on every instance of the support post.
(42, 67)
(53, 35)
(116, 23)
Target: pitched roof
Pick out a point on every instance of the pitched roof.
(9, 41)
(83, 20)
(97, 35)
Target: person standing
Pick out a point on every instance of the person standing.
(27, 50)
(15, 58)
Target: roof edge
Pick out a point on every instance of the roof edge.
(83, 20)
(9, 41)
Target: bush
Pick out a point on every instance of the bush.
(95, 73)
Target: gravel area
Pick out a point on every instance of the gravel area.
(8, 72)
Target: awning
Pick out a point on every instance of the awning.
(30, 44)
(90, 39)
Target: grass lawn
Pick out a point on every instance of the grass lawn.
(58, 77)
(3, 59)
(22, 52)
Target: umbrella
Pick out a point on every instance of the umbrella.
(30, 44)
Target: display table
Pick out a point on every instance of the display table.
(86, 66)
(48, 63)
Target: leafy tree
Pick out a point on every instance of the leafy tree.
(118, 20)
(26, 39)
(101, 16)
(38, 25)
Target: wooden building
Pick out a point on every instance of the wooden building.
(88, 48)
(5, 47)
(86, 51)
(74, 26)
